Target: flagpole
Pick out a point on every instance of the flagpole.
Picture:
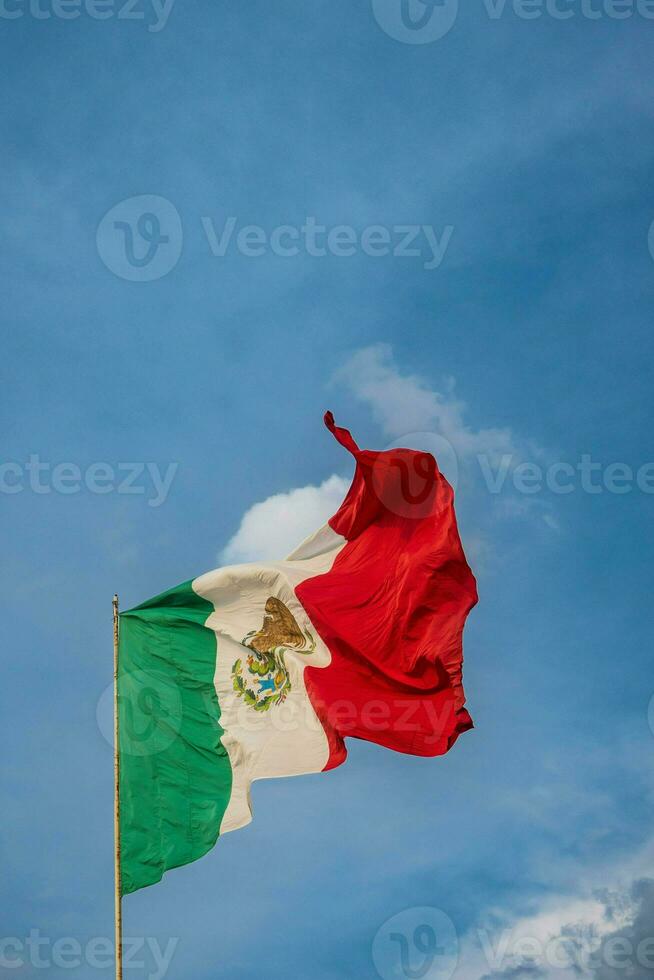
(118, 909)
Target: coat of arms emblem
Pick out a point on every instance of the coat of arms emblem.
(264, 681)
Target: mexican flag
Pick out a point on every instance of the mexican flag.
(264, 669)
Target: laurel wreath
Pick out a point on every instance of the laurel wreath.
(249, 696)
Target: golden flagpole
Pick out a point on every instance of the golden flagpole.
(118, 908)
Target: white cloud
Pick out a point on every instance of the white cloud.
(409, 413)
(404, 404)
(414, 414)
(531, 945)
(272, 528)
(565, 936)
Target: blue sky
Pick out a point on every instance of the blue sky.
(532, 140)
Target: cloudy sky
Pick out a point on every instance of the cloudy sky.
(218, 220)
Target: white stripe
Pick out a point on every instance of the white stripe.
(288, 739)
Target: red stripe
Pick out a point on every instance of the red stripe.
(392, 609)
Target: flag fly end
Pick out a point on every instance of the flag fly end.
(343, 436)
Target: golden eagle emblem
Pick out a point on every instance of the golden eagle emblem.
(280, 629)
(266, 666)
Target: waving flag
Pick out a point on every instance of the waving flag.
(263, 669)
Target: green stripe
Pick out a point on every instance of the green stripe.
(175, 776)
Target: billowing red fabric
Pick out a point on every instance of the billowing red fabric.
(392, 609)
